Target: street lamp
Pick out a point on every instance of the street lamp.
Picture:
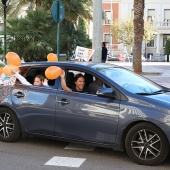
(5, 4)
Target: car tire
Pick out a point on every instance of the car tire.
(146, 144)
(9, 126)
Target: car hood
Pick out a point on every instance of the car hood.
(163, 98)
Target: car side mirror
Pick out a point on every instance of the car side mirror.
(106, 92)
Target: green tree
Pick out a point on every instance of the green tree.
(30, 36)
(83, 38)
(74, 9)
(149, 32)
(38, 36)
(123, 31)
(74, 35)
(14, 8)
(1, 50)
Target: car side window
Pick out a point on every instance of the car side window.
(30, 76)
(90, 85)
(31, 73)
(22, 72)
(96, 85)
(74, 81)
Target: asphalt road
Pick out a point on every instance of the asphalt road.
(34, 153)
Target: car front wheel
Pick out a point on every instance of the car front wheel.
(146, 144)
(9, 126)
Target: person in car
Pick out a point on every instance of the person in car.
(97, 84)
(39, 80)
(79, 83)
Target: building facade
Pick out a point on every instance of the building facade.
(111, 13)
(156, 10)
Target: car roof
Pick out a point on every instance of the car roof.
(67, 63)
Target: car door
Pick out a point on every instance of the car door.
(35, 107)
(86, 117)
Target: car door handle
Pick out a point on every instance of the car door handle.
(19, 94)
(63, 101)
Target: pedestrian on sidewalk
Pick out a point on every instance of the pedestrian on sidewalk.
(104, 52)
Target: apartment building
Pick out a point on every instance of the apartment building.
(156, 10)
(111, 13)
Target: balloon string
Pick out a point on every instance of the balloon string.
(6, 66)
(2, 63)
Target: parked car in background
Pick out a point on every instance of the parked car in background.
(111, 58)
(128, 113)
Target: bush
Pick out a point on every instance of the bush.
(167, 47)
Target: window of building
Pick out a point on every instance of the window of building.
(167, 17)
(107, 38)
(165, 37)
(150, 43)
(151, 14)
(108, 17)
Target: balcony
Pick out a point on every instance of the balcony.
(163, 27)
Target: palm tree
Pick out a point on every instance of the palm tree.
(30, 37)
(14, 8)
(37, 35)
(138, 34)
(73, 8)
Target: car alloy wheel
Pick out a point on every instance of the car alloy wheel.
(146, 144)
(9, 126)
(6, 125)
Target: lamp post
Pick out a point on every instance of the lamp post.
(5, 4)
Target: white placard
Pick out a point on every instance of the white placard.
(83, 54)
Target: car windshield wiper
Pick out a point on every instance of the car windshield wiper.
(156, 92)
(161, 91)
(145, 93)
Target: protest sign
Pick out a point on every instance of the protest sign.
(83, 54)
(7, 80)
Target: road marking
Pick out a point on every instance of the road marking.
(65, 161)
(73, 146)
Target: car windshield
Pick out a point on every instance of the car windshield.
(128, 80)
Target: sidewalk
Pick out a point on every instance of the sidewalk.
(159, 72)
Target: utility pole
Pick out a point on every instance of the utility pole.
(97, 30)
(111, 9)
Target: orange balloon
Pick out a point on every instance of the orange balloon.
(7, 70)
(53, 72)
(1, 70)
(52, 57)
(13, 58)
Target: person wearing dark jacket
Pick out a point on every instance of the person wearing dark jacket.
(104, 52)
(79, 82)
